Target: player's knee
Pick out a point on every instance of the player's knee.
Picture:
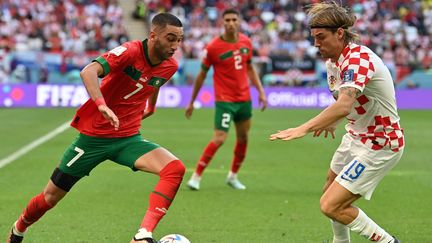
(174, 169)
(219, 141)
(327, 208)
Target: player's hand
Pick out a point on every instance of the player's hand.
(110, 116)
(189, 111)
(289, 134)
(262, 101)
(326, 131)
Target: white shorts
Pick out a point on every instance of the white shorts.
(359, 169)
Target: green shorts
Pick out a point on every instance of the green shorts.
(228, 111)
(86, 152)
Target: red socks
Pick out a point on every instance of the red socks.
(35, 209)
(207, 155)
(160, 199)
(239, 155)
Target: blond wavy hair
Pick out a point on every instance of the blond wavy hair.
(332, 16)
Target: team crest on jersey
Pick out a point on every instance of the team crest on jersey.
(118, 50)
(348, 75)
(332, 82)
(156, 81)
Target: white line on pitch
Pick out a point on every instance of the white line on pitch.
(24, 150)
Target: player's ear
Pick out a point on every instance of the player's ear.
(152, 36)
(340, 33)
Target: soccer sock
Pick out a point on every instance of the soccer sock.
(341, 233)
(164, 192)
(239, 155)
(36, 207)
(366, 227)
(207, 155)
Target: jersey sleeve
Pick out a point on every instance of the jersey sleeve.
(206, 59)
(250, 52)
(357, 70)
(115, 59)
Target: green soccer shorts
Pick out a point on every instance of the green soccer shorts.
(86, 152)
(231, 111)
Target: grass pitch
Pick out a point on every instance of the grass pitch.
(281, 203)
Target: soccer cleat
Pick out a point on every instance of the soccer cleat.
(144, 236)
(194, 182)
(233, 182)
(236, 184)
(395, 240)
(15, 236)
(147, 239)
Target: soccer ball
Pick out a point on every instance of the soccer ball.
(174, 238)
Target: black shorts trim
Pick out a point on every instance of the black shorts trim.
(63, 180)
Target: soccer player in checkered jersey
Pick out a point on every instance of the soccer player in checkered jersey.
(109, 123)
(374, 142)
(230, 54)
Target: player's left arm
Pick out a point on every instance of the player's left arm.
(253, 76)
(151, 104)
(335, 112)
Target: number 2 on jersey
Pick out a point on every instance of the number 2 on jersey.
(237, 62)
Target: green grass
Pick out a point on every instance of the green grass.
(284, 181)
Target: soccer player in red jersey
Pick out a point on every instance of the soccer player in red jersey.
(230, 54)
(374, 141)
(109, 123)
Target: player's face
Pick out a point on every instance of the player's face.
(167, 41)
(329, 44)
(231, 23)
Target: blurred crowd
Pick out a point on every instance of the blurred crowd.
(69, 25)
(400, 31)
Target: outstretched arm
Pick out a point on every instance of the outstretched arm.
(89, 76)
(253, 76)
(329, 116)
(197, 86)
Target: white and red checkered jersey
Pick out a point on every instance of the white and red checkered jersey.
(374, 118)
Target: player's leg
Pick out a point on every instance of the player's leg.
(222, 122)
(35, 209)
(358, 178)
(146, 156)
(77, 161)
(343, 154)
(341, 233)
(242, 120)
(242, 132)
(336, 203)
(170, 170)
(210, 150)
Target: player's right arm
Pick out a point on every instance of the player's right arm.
(197, 86)
(89, 76)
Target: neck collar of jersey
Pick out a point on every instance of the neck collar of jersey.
(222, 38)
(146, 54)
(343, 54)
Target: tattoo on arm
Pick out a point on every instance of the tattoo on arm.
(350, 91)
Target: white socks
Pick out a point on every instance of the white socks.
(366, 227)
(341, 233)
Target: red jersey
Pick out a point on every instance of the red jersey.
(230, 60)
(129, 80)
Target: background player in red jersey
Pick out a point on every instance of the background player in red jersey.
(374, 142)
(109, 125)
(230, 54)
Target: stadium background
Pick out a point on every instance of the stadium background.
(44, 44)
